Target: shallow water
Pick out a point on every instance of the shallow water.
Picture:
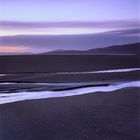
(21, 96)
(2, 74)
(103, 71)
(90, 72)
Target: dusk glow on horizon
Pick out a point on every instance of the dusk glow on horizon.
(11, 49)
(64, 17)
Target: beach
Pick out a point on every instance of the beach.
(98, 116)
(69, 70)
(69, 98)
(65, 63)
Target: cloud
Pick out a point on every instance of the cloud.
(40, 43)
(68, 24)
(62, 28)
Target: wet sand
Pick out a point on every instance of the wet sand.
(43, 81)
(94, 116)
(97, 116)
(45, 77)
(49, 64)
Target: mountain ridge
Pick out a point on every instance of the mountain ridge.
(133, 48)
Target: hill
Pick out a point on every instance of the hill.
(111, 50)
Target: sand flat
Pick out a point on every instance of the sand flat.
(98, 116)
(64, 63)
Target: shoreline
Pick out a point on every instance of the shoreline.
(21, 96)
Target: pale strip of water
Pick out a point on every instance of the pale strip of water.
(21, 96)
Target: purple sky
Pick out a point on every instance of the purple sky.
(66, 18)
(69, 10)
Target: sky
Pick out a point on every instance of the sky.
(44, 25)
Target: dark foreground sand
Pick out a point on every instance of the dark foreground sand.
(97, 116)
